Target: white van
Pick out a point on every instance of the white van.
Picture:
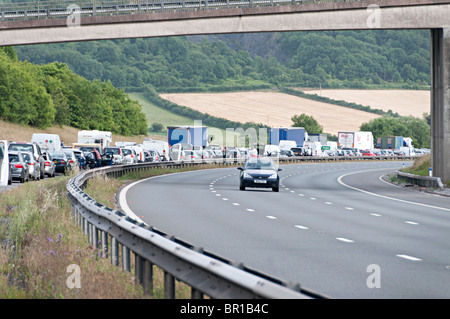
(140, 156)
(313, 148)
(4, 164)
(287, 145)
(161, 147)
(47, 142)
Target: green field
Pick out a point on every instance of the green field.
(155, 114)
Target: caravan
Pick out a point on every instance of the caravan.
(95, 137)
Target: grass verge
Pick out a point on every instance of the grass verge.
(39, 240)
(421, 166)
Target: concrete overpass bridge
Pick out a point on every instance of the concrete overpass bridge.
(48, 22)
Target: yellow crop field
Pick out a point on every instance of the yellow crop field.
(403, 102)
(271, 108)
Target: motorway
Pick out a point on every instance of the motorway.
(335, 228)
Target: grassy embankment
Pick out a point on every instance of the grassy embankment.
(421, 166)
(39, 240)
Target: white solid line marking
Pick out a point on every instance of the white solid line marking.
(346, 240)
(409, 257)
(301, 227)
(383, 196)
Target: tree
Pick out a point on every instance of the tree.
(308, 122)
(157, 127)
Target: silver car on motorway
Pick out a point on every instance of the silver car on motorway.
(49, 165)
(33, 166)
(19, 167)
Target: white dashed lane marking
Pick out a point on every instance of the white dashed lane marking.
(409, 257)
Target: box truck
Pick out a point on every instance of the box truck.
(47, 142)
(393, 142)
(297, 134)
(358, 140)
(194, 135)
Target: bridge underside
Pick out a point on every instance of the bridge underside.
(360, 15)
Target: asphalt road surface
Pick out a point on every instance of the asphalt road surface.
(335, 228)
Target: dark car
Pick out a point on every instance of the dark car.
(91, 162)
(18, 165)
(259, 172)
(61, 162)
(297, 151)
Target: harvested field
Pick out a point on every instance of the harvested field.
(271, 108)
(403, 102)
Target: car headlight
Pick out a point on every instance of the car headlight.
(247, 175)
(273, 176)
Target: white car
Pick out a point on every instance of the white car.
(33, 166)
(129, 156)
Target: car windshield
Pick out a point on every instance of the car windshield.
(260, 164)
(21, 147)
(58, 154)
(115, 151)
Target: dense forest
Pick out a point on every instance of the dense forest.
(226, 62)
(48, 94)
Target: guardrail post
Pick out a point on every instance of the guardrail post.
(94, 236)
(147, 277)
(169, 286)
(86, 227)
(138, 269)
(114, 252)
(104, 244)
(126, 258)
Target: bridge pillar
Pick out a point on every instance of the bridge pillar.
(440, 103)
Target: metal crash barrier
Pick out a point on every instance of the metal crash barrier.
(120, 237)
